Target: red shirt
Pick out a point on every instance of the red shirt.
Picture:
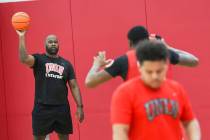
(153, 114)
(132, 65)
(133, 70)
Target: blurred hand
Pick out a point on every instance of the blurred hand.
(155, 36)
(100, 59)
(21, 33)
(158, 37)
(80, 114)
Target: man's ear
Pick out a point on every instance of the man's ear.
(130, 44)
(138, 65)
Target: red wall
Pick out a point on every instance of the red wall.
(3, 115)
(84, 27)
(19, 83)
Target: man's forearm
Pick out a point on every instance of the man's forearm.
(91, 76)
(185, 58)
(77, 96)
(193, 130)
(120, 136)
(120, 131)
(178, 51)
(22, 50)
(94, 69)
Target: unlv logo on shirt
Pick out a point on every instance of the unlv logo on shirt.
(161, 106)
(51, 67)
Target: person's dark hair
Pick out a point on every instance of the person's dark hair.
(137, 34)
(151, 51)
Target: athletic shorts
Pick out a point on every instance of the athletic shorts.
(49, 118)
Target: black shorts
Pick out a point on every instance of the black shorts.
(49, 118)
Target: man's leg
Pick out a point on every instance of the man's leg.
(42, 122)
(63, 125)
(39, 137)
(63, 137)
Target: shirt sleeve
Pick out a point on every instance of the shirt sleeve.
(119, 67)
(174, 57)
(71, 73)
(187, 113)
(121, 107)
(36, 61)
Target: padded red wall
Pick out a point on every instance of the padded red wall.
(48, 17)
(84, 27)
(3, 115)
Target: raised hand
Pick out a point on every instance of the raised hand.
(21, 33)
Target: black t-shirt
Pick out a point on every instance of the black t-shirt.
(120, 65)
(51, 77)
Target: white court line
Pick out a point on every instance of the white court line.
(6, 1)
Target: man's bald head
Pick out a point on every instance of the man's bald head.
(51, 44)
(51, 37)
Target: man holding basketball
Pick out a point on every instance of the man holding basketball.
(150, 106)
(125, 66)
(51, 107)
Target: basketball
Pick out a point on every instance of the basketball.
(21, 21)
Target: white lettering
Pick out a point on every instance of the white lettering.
(51, 67)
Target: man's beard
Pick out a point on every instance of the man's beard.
(52, 50)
